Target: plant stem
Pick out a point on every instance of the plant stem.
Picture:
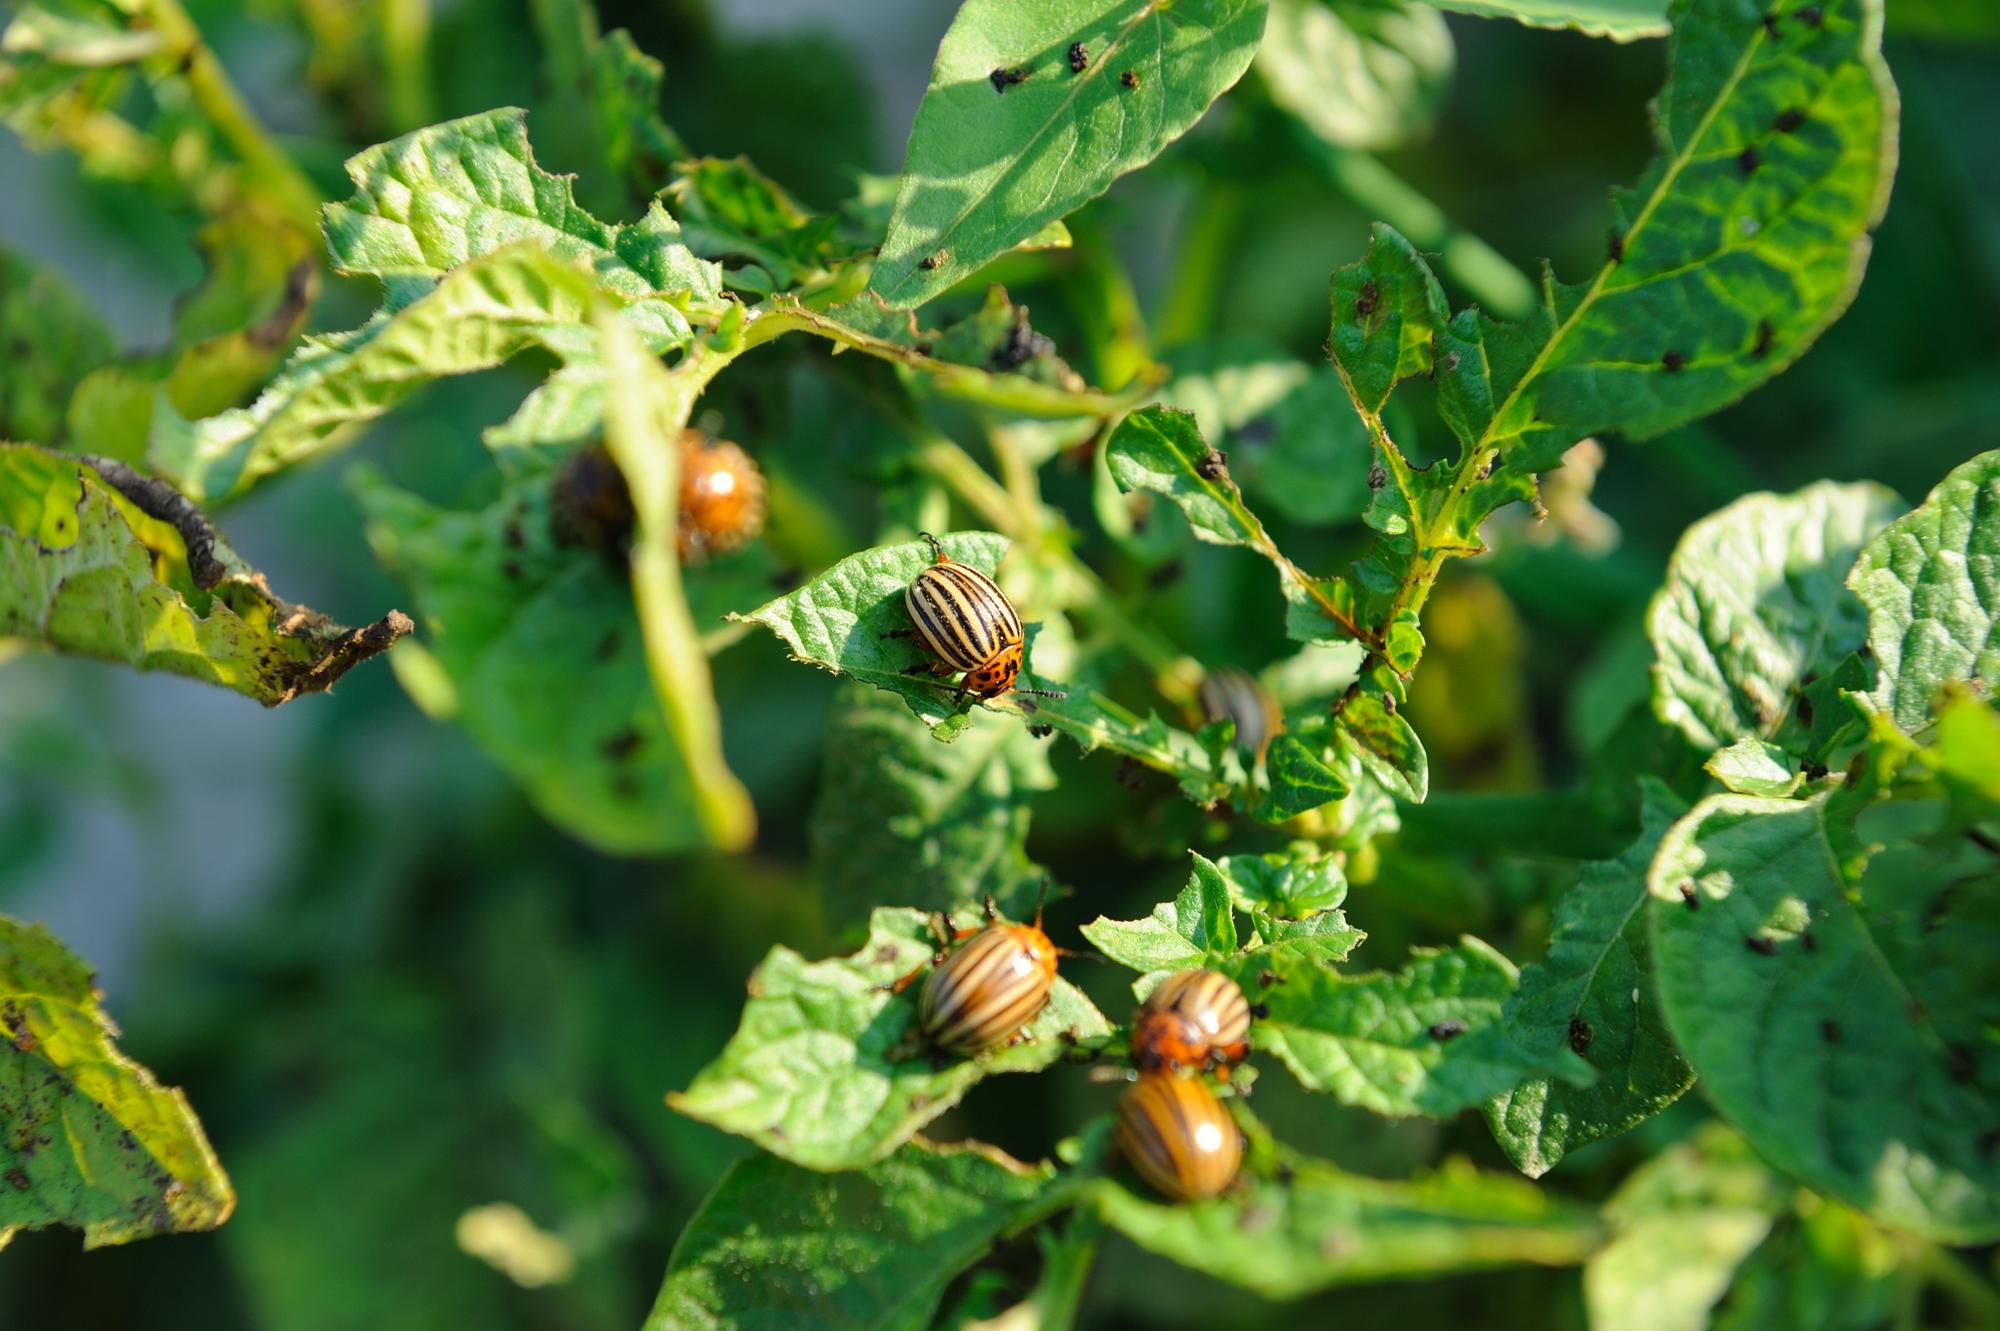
(406, 56)
(1205, 249)
(1482, 270)
(1066, 1263)
(218, 99)
(1945, 1269)
(1101, 297)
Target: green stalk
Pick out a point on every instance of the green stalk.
(219, 101)
(406, 57)
(1205, 250)
(1066, 1262)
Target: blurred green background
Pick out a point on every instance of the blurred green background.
(394, 994)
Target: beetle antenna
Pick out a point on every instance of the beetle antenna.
(1042, 901)
(993, 910)
(1043, 693)
(938, 556)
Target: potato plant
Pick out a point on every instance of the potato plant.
(1764, 873)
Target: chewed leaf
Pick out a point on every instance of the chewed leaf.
(1594, 995)
(1931, 582)
(1033, 112)
(841, 621)
(829, 1069)
(1162, 449)
(1833, 1011)
(1358, 76)
(1422, 1040)
(1755, 608)
(99, 561)
(89, 1138)
(777, 1245)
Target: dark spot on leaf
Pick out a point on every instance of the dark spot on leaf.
(1788, 121)
(1810, 15)
(1814, 771)
(624, 785)
(1617, 247)
(1130, 78)
(1003, 79)
(1079, 57)
(1672, 361)
(1762, 346)
(1262, 430)
(1040, 731)
(1166, 575)
(512, 571)
(512, 535)
(1763, 947)
(1446, 1030)
(1771, 26)
(621, 745)
(1269, 978)
(1366, 299)
(186, 62)
(1212, 466)
(1829, 1030)
(1808, 941)
(1130, 775)
(1962, 1066)
(1690, 896)
(607, 646)
(1918, 1012)
(1748, 160)
(1989, 1141)
(18, 1179)
(1580, 1034)
(1260, 1010)
(785, 579)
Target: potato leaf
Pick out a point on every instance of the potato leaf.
(1831, 1011)
(1358, 73)
(97, 560)
(1302, 1225)
(829, 1068)
(87, 1137)
(53, 339)
(1594, 995)
(1012, 134)
(1931, 582)
(777, 1245)
(1755, 607)
(1620, 20)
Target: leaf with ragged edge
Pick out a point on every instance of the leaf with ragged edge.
(1287, 885)
(729, 210)
(1682, 1223)
(1386, 744)
(545, 662)
(1422, 1040)
(1931, 582)
(1161, 449)
(1197, 926)
(646, 410)
(776, 1245)
(1358, 73)
(1832, 1012)
(1096, 721)
(623, 86)
(481, 255)
(1620, 20)
(829, 1068)
(87, 1137)
(99, 561)
(840, 621)
(53, 340)
(1010, 136)
(1301, 775)
(946, 824)
(1298, 1225)
(1290, 437)
(65, 65)
(1755, 607)
(1755, 767)
(1593, 994)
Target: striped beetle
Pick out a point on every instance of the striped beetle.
(1178, 1136)
(1194, 1019)
(1237, 695)
(965, 622)
(982, 992)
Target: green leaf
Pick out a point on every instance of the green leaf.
(544, 661)
(1755, 607)
(1095, 721)
(1755, 767)
(729, 209)
(1287, 885)
(1387, 312)
(1422, 1040)
(1286, 427)
(839, 621)
(1386, 745)
(645, 411)
(1620, 20)
(1358, 73)
(947, 824)
(1009, 137)
(1824, 1267)
(52, 339)
(1195, 928)
(1315, 1226)
(481, 255)
(1683, 1222)
(1929, 582)
(1594, 995)
(1162, 450)
(97, 560)
(91, 1140)
(780, 1246)
(829, 1068)
(1831, 1013)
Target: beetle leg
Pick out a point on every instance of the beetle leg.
(900, 633)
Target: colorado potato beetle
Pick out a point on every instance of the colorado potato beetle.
(722, 497)
(1178, 1136)
(590, 505)
(966, 622)
(1234, 694)
(982, 992)
(1195, 1019)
